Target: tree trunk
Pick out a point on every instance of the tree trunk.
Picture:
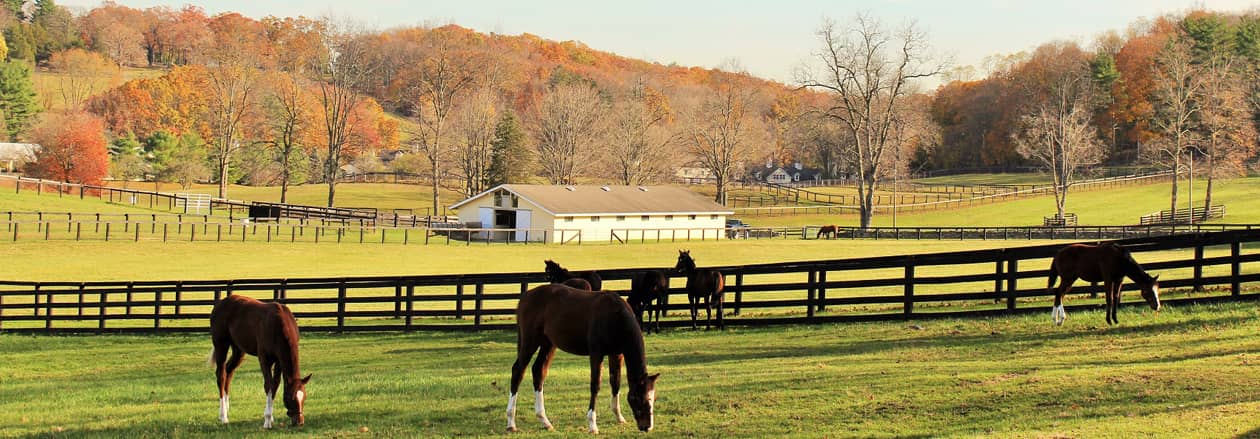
(720, 182)
(223, 176)
(331, 175)
(434, 180)
(866, 189)
(1176, 176)
(1207, 200)
(284, 175)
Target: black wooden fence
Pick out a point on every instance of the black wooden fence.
(881, 288)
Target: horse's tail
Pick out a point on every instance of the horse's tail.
(210, 358)
(1054, 276)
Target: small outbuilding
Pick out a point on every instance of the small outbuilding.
(15, 155)
(553, 213)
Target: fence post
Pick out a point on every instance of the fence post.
(1012, 282)
(397, 300)
(477, 305)
(822, 290)
(1198, 268)
(1235, 288)
(998, 277)
(809, 297)
(101, 310)
(81, 287)
(130, 286)
(459, 300)
(909, 287)
(411, 290)
(179, 296)
(341, 306)
(157, 310)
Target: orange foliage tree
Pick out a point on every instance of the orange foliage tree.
(72, 148)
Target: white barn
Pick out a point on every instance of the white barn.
(550, 213)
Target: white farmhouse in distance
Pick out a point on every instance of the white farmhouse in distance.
(559, 214)
(15, 155)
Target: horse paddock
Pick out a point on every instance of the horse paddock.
(1185, 371)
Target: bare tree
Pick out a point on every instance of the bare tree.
(639, 139)
(1177, 84)
(288, 118)
(232, 77)
(440, 78)
(1225, 119)
(866, 70)
(723, 132)
(475, 122)
(569, 125)
(343, 67)
(1055, 126)
(83, 74)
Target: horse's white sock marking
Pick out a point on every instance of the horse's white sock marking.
(590, 419)
(616, 409)
(223, 409)
(651, 397)
(268, 420)
(540, 411)
(511, 413)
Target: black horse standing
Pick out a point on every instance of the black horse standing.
(702, 284)
(649, 291)
(558, 275)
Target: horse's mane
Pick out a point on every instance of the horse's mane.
(1131, 267)
(289, 333)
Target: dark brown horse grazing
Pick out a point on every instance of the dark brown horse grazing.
(704, 285)
(1106, 263)
(265, 330)
(593, 324)
(649, 291)
(557, 274)
(829, 230)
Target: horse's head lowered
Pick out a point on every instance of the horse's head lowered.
(685, 263)
(642, 400)
(294, 398)
(1150, 292)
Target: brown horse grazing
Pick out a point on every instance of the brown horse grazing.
(594, 324)
(578, 283)
(649, 291)
(557, 274)
(1106, 263)
(704, 285)
(265, 330)
(829, 230)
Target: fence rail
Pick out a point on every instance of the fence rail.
(1184, 216)
(969, 283)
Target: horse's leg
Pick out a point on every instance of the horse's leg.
(219, 356)
(271, 380)
(546, 352)
(721, 309)
(225, 387)
(1114, 288)
(597, 361)
(695, 304)
(708, 311)
(614, 379)
(1107, 288)
(525, 348)
(1058, 314)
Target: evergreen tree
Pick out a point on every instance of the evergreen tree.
(17, 97)
(509, 160)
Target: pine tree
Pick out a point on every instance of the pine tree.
(509, 161)
(17, 97)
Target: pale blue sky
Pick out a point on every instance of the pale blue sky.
(770, 38)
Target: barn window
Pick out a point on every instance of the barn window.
(594, 219)
(621, 217)
(568, 219)
(691, 217)
(712, 217)
(669, 217)
(645, 217)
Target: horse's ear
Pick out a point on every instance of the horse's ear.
(1155, 279)
(305, 380)
(651, 379)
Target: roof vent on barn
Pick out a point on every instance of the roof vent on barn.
(641, 188)
(605, 188)
(570, 188)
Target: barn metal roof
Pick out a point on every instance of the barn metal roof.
(610, 200)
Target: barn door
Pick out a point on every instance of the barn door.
(487, 221)
(522, 222)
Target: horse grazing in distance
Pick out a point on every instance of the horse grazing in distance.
(557, 274)
(702, 284)
(829, 230)
(269, 332)
(649, 291)
(578, 283)
(1106, 263)
(595, 324)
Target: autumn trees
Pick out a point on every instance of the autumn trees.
(73, 148)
